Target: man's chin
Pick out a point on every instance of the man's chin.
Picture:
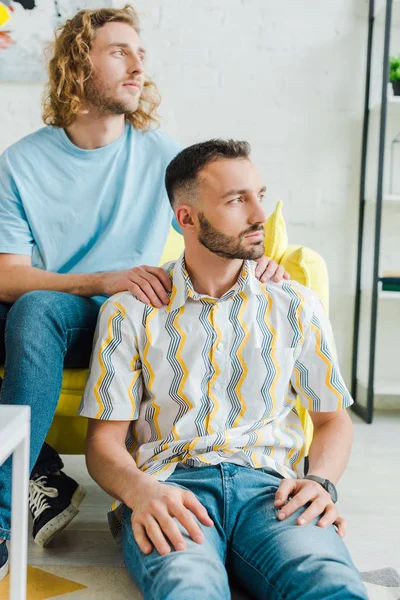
(256, 251)
(123, 108)
(129, 109)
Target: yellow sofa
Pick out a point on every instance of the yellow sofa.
(68, 431)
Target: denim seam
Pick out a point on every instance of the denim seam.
(259, 572)
(224, 497)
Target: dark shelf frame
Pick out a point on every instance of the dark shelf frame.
(367, 412)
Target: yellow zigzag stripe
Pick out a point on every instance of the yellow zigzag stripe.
(185, 376)
(225, 445)
(254, 459)
(104, 345)
(150, 370)
(328, 366)
(277, 434)
(172, 298)
(273, 344)
(217, 371)
(183, 366)
(239, 354)
(287, 428)
(298, 311)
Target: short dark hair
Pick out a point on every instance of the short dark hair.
(183, 169)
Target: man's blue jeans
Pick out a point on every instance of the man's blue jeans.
(40, 334)
(269, 559)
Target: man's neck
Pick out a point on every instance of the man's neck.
(210, 274)
(91, 131)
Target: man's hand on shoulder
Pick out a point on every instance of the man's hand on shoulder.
(150, 284)
(296, 493)
(270, 269)
(154, 510)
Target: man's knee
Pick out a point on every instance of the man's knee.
(329, 571)
(31, 309)
(190, 575)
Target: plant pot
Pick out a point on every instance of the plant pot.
(396, 87)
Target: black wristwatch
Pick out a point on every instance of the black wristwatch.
(326, 484)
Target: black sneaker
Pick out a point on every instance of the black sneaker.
(3, 560)
(54, 501)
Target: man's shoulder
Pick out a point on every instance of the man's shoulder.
(289, 294)
(125, 302)
(156, 140)
(26, 145)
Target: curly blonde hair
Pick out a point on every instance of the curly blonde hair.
(71, 66)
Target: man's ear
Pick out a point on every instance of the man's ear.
(184, 216)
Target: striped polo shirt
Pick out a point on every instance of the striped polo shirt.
(205, 380)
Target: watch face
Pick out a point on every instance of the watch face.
(330, 488)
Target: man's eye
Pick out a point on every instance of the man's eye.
(261, 196)
(118, 52)
(235, 200)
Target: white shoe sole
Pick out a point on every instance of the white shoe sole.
(58, 523)
(3, 571)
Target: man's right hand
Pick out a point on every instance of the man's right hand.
(155, 508)
(150, 284)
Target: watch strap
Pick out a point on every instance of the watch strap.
(325, 483)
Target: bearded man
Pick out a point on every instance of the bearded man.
(192, 417)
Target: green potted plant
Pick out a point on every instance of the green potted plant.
(394, 75)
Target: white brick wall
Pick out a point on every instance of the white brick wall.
(286, 76)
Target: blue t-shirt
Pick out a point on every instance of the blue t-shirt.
(84, 211)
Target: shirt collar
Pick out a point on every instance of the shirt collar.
(182, 287)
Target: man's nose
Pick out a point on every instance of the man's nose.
(257, 214)
(135, 64)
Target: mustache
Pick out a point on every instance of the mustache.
(252, 229)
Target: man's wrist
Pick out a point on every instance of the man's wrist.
(98, 283)
(136, 483)
(326, 484)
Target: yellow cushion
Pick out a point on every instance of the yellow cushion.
(276, 238)
(173, 248)
(73, 384)
(308, 268)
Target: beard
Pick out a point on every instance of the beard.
(228, 246)
(103, 98)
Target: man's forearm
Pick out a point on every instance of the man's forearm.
(114, 469)
(16, 280)
(330, 448)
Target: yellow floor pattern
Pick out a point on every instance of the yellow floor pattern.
(42, 585)
(77, 583)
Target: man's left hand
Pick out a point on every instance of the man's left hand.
(269, 269)
(299, 492)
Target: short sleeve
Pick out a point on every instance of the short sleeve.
(316, 375)
(114, 387)
(15, 234)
